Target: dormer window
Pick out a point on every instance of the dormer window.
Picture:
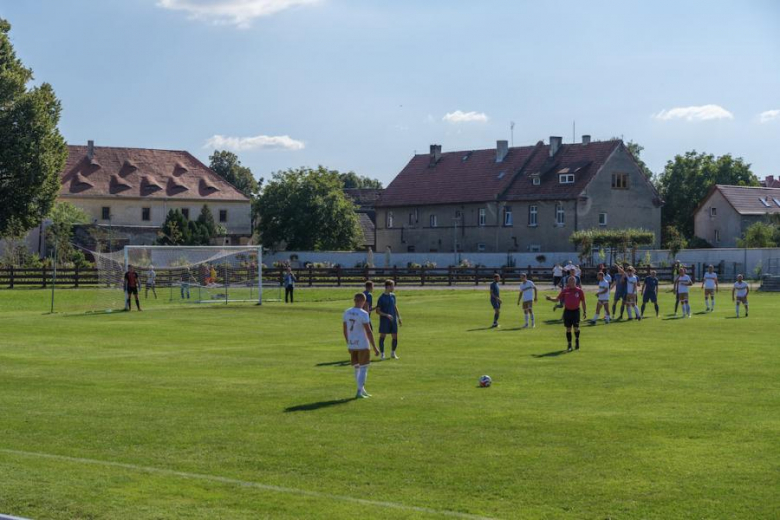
(777, 201)
(765, 202)
(566, 178)
(537, 181)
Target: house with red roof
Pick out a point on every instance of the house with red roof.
(514, 199)
(726, 212)
(129, 191)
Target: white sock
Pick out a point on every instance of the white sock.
(362, 375)
(596, 317)
(526, 318)
(737, 306)
(630, 311)
(357, 377)
(713, 303)
(607, 318)
(532, 318)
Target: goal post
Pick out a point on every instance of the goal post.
(201, 274)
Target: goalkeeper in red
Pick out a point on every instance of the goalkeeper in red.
(571, 297)
(131, 288)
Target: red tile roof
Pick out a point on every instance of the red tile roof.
(475, 176)
(748, 200)
(140, 172)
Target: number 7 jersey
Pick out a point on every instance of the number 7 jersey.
(356, 319)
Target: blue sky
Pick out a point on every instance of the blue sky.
(362, 85)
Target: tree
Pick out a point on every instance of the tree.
(174, 230)
(686, 180)
(759, 234)
(206, 219)
(620, 240)
(636, 151)
(178, 231)
(306, 209)
(32, 151)
(674, 241)
(227, 166)
(60, 233)
(352, 180)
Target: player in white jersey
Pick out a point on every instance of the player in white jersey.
(740, 294)
(528, 295)
(632, 289)
(710, 285)
(602, 299)
(151, 278)
(358, 335)
(684, 282)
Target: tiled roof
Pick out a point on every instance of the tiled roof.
(475, 176)
(770, 182)
(364, 197)
(139, 172)
(369, 230)
(748, 200)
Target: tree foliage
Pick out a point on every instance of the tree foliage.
(178, 231)
(686, 180)
(227, 166)
(32, 151)
(619, 239)
(636, 151)
(306, 209)
(674, 241)
(352, 180)
(759, 234)
(64, 217)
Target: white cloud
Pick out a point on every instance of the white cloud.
(231, 12)
(695, 113)
(261, 142)
(769, 115)
(465, 117)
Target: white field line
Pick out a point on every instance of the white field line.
(246, 483)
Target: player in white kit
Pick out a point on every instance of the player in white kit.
(528, 295)
(684, 283)
(710, 285)
(740, 294)
(358, 335)
(602, 299)
(632, 289)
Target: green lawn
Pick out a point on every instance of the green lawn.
(243, 412)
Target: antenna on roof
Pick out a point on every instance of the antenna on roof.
(512, 132)
(573, 132)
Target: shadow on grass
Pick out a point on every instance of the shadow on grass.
(480, 328)
(553, 322)
(316, 406)
(344, 363)
(514, 328)
(554, 353)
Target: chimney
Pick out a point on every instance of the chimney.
(769, 181)
(90, 149)
(502, 148)
(585, 139)
(555, 144)
(435, 154)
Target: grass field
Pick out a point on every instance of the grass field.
(244, 412)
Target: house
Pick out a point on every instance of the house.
(727, 211)
(365, 202)
(528, 198)
(127, 192)
(770, 182)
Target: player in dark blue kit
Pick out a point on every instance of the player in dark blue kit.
(495, 300)
(368, 305)
(650, 292)
(389, 318)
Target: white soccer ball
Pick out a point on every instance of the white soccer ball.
(485, 381)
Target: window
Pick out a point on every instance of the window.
(537, 181)
(410, 249)
(389, 219)
(619, 181)
(146, 214)
(567, 178)
(777, 201)
(434, 221)
(508, 217)
(534, 248)
(602, 219)
(713, 212)
(186, 213)
(105, 213)
(223, 215)
(560, 216)
(481, 220)
(481, 247)
(533, 212)
(765, 202)
(717, 236)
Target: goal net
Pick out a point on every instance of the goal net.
(172, 275)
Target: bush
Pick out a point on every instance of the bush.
(698, 243)
(429, 265)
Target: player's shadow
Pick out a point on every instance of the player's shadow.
(553, 322)
(480, 328)
(316, 406)
(513, 329)
(344, 363)
(554, 353)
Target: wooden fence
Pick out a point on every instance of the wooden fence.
(317, 277)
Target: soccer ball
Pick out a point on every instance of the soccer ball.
(485, 381)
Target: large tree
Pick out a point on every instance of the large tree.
(227, 166)
(306, 209)
(32, 151)
(64, 217)
(686, 180)
(352, 180)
